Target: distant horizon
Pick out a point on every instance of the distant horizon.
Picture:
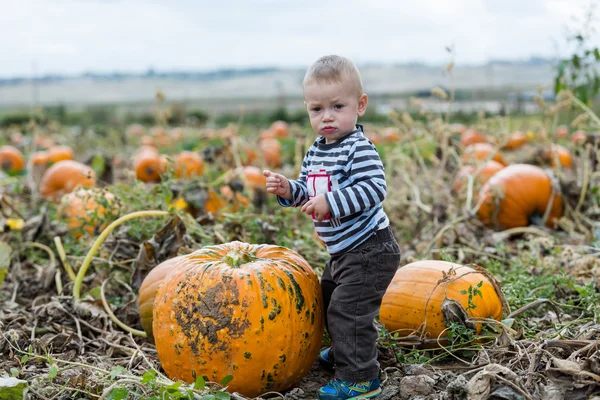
(152, 71)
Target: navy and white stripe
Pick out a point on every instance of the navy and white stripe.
(358, 190)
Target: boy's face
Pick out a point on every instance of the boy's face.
(333, 108)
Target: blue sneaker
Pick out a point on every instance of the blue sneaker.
(326, 359)
(337, 389)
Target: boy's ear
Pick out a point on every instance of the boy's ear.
(362, 104)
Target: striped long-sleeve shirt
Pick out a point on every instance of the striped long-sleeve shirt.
(351, 175)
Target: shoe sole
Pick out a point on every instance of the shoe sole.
(369, 395)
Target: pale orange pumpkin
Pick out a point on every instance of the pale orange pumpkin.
(471, 136)
(271, 152)
(39, 159)
(578, 137)
(148, 291)
(11, 159)
(267, 134)
(561, 132)
(412, 304)
(80, 207)
(254, 312)
(518, 194)
(462, 177)
(280, 129)
(64, 176)
(135, 130)
(390, 135)
(254, 177)
(480, 151)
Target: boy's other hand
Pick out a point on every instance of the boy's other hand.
(318, 207)
(278, 184)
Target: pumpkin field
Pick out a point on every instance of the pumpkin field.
(147, 261)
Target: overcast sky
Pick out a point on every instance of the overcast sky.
(72, 36)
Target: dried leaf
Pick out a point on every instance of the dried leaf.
(5, 252)
(160, 247)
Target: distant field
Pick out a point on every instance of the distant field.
(263, 91)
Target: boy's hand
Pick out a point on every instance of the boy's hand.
(278, 184)
(317, 206)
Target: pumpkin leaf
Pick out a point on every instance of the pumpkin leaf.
(149, 377)
(200, 383)
(222, 396)
(118, 394)
(226, 380)
(5, 251)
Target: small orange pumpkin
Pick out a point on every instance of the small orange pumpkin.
(188, 164)
(516, 194)
(560, 152)
(148, 291)
(11, 159)
(413, 301)
(149, 165)
(280, 129)
(39, 159)
(64, 176)
(578, 137)
(135, 130)
(462, 177)
(390, 135)
(561, 132)
(471, 136)
(59, 153)
(480, 151)
(516, 140)
(254, 312)
(271, 151)
(78, 209)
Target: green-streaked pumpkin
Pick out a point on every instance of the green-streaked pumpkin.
(413, 301)
(148, 291)
(254, 312)
(517, 195)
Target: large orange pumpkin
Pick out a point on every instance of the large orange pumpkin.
(148, 291)
(79, 209)
(251, 311)
(11, 159)
(64, 176)
(480, 151)
(518, 194)
(462, 177)
(412, 303)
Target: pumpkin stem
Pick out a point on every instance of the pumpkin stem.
(236, 258)
(100, 240)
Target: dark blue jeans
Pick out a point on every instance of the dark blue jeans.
(353, 285)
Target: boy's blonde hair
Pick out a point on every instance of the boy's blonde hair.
(332, 69)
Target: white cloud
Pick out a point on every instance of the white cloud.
(71, 36)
